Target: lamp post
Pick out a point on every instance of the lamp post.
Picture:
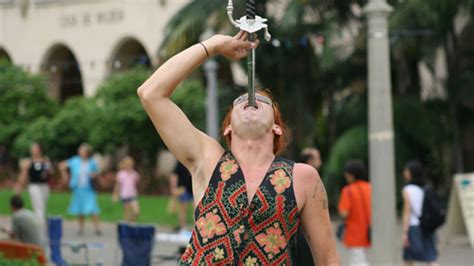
(381, 137)
(212, 113)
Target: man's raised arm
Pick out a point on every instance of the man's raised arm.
(186, 142)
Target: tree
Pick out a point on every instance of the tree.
(439, 18)
(123, 121)
(111, 120)
(23, 99)
(297, 76)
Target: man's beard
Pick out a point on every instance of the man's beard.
(251, 131)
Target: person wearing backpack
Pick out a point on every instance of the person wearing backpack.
(418, 244)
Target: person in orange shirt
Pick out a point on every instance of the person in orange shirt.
(355, 208)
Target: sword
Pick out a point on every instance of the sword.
(250, 23)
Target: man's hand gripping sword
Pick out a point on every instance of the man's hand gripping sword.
(250, 23)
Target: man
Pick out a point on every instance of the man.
(249, 203)
(26, 226)
(182, 192)
(312, 156)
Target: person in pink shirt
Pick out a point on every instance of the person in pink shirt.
(126, 189)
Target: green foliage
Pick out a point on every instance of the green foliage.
(33, 261)
(123, 121)
(39, 131)
(22, 99)
(112, 119)
(71, 126)
(350, 112)
(190, 97)
(352, 144)
(62, 134)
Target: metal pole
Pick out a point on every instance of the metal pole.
(212, 114)
(210, 70)
(381, 137)
(250, 8)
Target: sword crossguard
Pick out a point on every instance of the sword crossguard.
(248, 25)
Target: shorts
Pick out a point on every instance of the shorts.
(185, 197)
(128, 199)
(422, 246)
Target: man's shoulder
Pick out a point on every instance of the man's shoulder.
(304, 168)
(305, 173)
(23, 214)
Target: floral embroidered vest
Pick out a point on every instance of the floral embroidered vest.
(229, 230)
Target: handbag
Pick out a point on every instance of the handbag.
(340, 231)
(341, 228)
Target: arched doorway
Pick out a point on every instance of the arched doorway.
(4, 55)
(63, 70)
(127, 54)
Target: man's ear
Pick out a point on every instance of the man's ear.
(277, 130)
(227, 130)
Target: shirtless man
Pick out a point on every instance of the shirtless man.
(249, 202)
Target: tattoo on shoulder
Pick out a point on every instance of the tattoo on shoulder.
(319, 188)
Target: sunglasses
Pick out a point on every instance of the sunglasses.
(258, 97)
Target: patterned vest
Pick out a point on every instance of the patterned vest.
(228, 230)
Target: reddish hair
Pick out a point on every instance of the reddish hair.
(279, 141)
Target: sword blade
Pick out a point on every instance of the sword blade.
(251, 73)
(251, 11)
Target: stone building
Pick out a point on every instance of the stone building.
(78, 43)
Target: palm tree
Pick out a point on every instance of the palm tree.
(299, 77)
(439, 18)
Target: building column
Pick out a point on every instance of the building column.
(94, 72)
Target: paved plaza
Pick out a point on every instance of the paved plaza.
(104, 250)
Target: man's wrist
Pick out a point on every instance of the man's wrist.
(210, 47)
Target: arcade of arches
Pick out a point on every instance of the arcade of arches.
(4, 55)
(80, 44)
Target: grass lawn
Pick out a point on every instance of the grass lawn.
(153, 209)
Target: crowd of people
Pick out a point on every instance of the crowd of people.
(80, 173)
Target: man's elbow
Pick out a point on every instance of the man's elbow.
(151, 93)
(142, 92)
(333, 260)
(330, 257)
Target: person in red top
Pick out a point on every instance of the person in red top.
(355, 208)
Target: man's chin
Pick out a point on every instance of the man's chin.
(251, 131)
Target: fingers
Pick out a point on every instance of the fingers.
(257, 42)
(239, 47)
(248, 45)
(239, 35)
(246, 36)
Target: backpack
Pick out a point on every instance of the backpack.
(433, 212)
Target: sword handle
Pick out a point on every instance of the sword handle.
(251, 9)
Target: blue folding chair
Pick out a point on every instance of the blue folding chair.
(136, 242)
(55, 234)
